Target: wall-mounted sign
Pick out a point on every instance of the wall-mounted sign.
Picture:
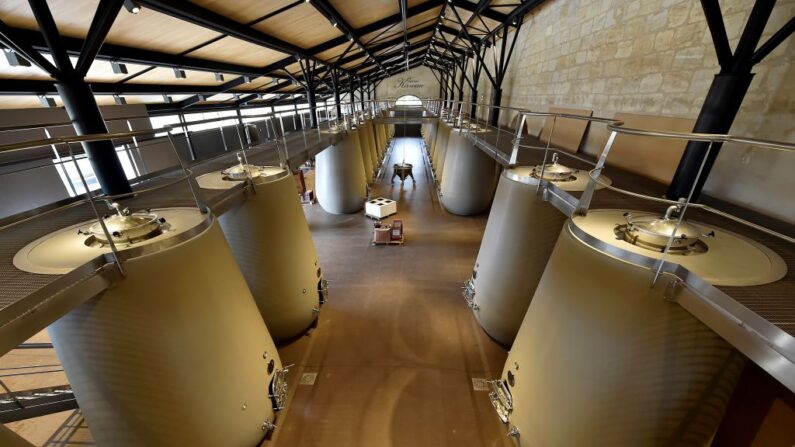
(419, 82)
(409, 83)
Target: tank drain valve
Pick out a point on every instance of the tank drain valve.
(268, 426)
(513, 432)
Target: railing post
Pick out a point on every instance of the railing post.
(517, 139)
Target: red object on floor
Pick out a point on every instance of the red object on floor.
(397, 230)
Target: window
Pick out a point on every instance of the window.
(159, 122)
(70, 176)
(408, 100)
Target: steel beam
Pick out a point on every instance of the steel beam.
(52, 37)
(106, 13)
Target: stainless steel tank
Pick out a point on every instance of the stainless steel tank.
(429, 135)
(377, 138)
(364, 145)
(271, 241)
(174, 353)
(371, 146)
(340, 183)
(519, 237)
(468, 176)
(439, 148)
(384, 139)
(604, 357)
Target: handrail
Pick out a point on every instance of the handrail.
(303, 107)
(616, 126)
(702, 137)
(78, 139)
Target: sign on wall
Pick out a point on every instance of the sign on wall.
(418, 81)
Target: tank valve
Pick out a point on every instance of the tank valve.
(268, 426)
(513, 433)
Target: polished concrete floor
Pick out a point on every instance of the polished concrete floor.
(397, 358)
(396, 348)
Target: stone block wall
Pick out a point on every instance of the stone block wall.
(656, 57)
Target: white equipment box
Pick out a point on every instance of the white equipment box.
(380, 208)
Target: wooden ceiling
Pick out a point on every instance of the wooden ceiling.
(259, 39)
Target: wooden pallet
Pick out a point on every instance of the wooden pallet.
(397, 242)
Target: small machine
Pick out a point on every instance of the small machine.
(403, 171)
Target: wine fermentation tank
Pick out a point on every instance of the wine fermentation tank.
(271, 241)
(174, 353)
(519, 237)
(429, 135)
(340, 182)
(439, 148)
(372, 154)
(379, 142)
(604, 353)
(468, 175)
(364, 146)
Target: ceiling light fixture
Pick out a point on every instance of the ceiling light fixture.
(14, 59)
(219, 77)
(118, 67)
(132, 6)
(167, 98)
(180, 73)
(119, 100)
(334, 23)
(46, 101)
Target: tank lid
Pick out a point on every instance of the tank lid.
(554, 171)
(127, 227)
(653, 232)
(335, 128)
(242, 171)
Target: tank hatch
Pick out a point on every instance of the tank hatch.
(241, 171)
(653, 232)
(554, 171)
(125, 227)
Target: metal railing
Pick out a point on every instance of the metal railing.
(456, 113)
(761, 339)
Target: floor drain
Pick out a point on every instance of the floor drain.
(480, 384)
(308, 379)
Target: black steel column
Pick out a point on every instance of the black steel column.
(726, 94)
(361, 93)
(442, 90)
(86, 118)
(451, 86)
(494, 112)
(368, 89)
(310, 98)
(723, 101)
(353, 93)
(335, 84)
(461, 80)
(474, 99)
